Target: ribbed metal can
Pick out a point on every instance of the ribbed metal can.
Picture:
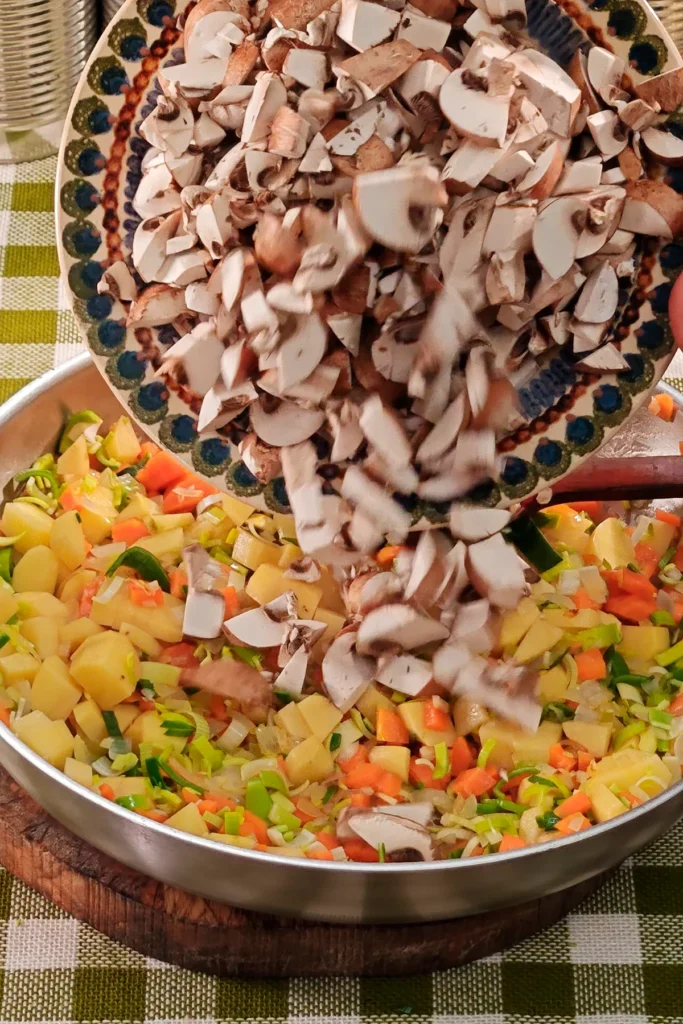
(109, 9)
(44, 45)
(670, 13)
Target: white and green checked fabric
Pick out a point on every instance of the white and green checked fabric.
(617, 960)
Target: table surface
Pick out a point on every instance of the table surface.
(617, 960)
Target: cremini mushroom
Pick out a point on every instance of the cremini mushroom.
(346, 674)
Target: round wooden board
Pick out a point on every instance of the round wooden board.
(201, 935)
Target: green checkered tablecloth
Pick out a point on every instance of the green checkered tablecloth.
(617, 960)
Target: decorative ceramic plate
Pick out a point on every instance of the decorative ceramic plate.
(570, 413)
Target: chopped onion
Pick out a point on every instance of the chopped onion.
(593, 583)
(236, 733)
(593, 693)
(569, 582)
(472, 845)
(642, 524)
(563, 601)
(255, 767)
(585, 714)
(208, 501)
(110, 591)
(102, 766)
(108, 550)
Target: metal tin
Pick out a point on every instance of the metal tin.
(265, 882)
(110, 8)
(43, 49)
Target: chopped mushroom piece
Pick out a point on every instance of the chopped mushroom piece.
(346, 674)
(402, 840)
(397, 627)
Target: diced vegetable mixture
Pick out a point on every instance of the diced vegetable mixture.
(111, 549)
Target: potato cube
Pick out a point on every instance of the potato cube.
(134, 786)
(643, 642)
(67, 540)
(43, 633)
(98, 516)
(371, 700)
(33, 603)
(122, 442)
(167, 545)
(36, 570)
(237, 511)
(107, 668)
(612, 544)
(412, 713)
(268, 582)
(75, 461)
(163, 622)
(334, 623)
(309, 760)
(147, 728)
(51, 740)
(320, 714)
(605, 804)
(535, 746)
(553, 684)
(594, 736)
(31, 522)
(541, 636)
(139, 507)
(141, 639)
(73, 634)
(54, 692)
(126, 715)
(172, 521)
(188, 819)
(9, 605)
(16, 667)
(254, 551)
(89, 721)
(292, 721)
(290, 553)
(516, 623)
(72, 588)
(392, 759)
(79, 772)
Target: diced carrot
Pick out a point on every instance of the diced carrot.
(386, 555)
(319, 854)
(663, 407)
(668, 517)
(180, 655)
(582, 599)
(178, 581)
(106, 791)
(422, 774)
(328, 840)
(593, 509)
(638, 584)
(572, 823)
(390, 727)
(148, 448)
(389, 784)
(87, 595)
(436, 718)
(129, 531)
(584, 760)
(155, 815)
(461, 756)
(360, 756)
(647, 558)
(678, 557)
(253, 825)
(590, 664)
(232, 602)
(4, 716)
(473, 782)
(680, 447)
(186, 493)
(207, 806)
(676, 706)
(304, 815)
(561, 759)
(509, 842)
(222, 801)
(189, 795)
(144, 596)
(358, 849)
(160, 472)
(631, 608)
(577, 803)
(361, 800)
(559, 510)
(217, 708)
(677, 612)
(364, 776)
(630, 798)
(613, 578)
(478, 851)
(71, 498)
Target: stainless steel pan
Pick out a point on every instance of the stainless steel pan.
(29, 424)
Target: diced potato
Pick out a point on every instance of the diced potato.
(334, 623)
(98, 515)
(541, 637)
(268, 582)
(141, 639)
(612, 544)
(51, 740)
(643, 642)
(89, 720)
(126, 714)
(136, 785)
(289, 553)
(54, 692)
(309, 760)
(173, 521)
(9, 605)
(73, 634)
(164, 545)
(107, 668)
(73, 587)
(254, 551)
(284, 525)
(535, 746)
(67, 540)
(82, 751)
(75, 461)
(594, 736)
(43, 633)
(238, 511)
(392, 759)
(188, 819)
(37, 570)
(349, 733)
(502, 755)
(412, 713)
(371, 700)
(139, 507)
(79, 772)
(32, 603)
(516, 623)
(658, 535)
(122, 442)
(320, 714)
(147, 728)
(586, 618)
(164, 622)
(605, 804)
(29, 521)
(553, 684)
(19, 666)
(292, 721)
(627, 767)
(468, 716)
(160, 674)
(571, 530)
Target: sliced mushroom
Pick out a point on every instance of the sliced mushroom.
(149, 244)
(346, 327)
(285, 423)
(608, 132)
(383, 430)
(156, 195)
(363, 25)
(200, 352)
(292, 677)
(605, 70)
(665, 90)
(268, 97)
(541, 180)
(638, 115)
(156, 305)
(379, 67)
(304, 569)
(372, 499)
(579, 176)
(170, 125)
(664, 146)
(400, 207)
(477, 105)
(469, 523)
(556, 234)
(118, 281)
(606, 359)
(652, 208)
(401, 839)
(262, 460)
(346, 674)
(397, 627)
(599, 297)
(370, 590)
(263, 627)
(496, 571)
(473, 627)
(550, 89)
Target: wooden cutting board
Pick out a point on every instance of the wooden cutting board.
(203, 935)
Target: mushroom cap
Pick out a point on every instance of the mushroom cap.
(469, 523)
(400, 207)
(346, 675)
(394, 833)
(261, 627)
(405, 673)
(396, 627)
(289, 424)
(496, 571)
